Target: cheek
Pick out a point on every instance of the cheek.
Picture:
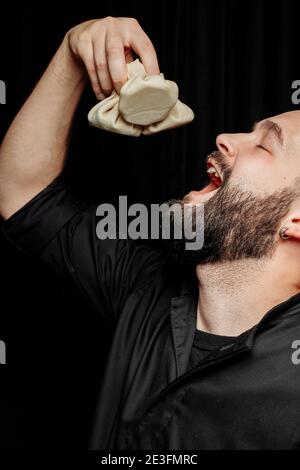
(262, 175)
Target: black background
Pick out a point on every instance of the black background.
(234, 63)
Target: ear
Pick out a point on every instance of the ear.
(293, 226)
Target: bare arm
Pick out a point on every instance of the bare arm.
(34, 149)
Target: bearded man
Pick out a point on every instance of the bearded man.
(203, 352)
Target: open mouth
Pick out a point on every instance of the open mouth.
(216, 179)
(215, 176)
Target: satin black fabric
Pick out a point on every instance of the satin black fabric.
(243, 395)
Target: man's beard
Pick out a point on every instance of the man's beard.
(237, 225)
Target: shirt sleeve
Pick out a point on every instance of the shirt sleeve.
(60, 230)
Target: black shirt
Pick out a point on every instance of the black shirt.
(244, 395)
(204, 343)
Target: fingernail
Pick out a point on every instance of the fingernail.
(100, 96)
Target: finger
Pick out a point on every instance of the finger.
(128, 55)
(143, 46)
(116, 59)
(101, 66)
(88, 60)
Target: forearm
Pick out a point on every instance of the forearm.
(34, 149)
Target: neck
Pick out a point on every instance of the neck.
(235, 296)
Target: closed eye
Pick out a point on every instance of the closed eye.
(262, 147)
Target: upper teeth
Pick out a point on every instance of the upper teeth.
(212, 170)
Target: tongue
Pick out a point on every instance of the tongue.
(210, 187)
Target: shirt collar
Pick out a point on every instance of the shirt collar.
(184, 321)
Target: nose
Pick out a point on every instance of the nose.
(227, 145)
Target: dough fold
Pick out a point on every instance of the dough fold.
(147, 104)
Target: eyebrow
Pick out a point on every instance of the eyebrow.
(273, 127)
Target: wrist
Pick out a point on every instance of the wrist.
(67, 68)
